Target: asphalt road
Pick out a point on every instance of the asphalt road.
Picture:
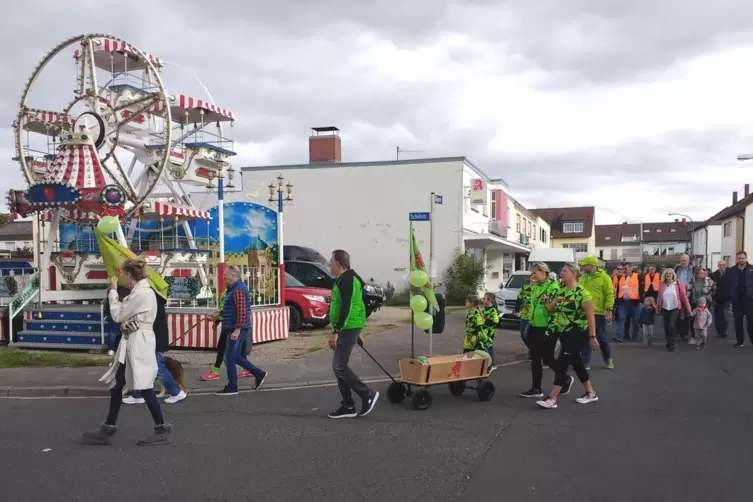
(669, 426)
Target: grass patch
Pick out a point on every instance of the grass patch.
(18, 358)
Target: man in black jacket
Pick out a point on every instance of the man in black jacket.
(721, 300)
(737, 285)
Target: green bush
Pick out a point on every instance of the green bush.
(463, 277)
(399, 299)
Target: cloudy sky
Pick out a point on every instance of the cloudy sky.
(639, 108)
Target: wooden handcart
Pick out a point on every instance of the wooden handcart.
(456, 371)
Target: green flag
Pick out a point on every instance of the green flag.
(417, 263)
(113, 254)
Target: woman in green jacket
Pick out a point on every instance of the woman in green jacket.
(540, 342)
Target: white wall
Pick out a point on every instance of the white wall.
(708, 242)
(729, 243)
(476, 217)
(748, 235)
(364, 210)
(625, 251)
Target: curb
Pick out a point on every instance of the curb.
(62, 392)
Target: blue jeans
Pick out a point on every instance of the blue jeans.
(720, 318)
(234, 355)
(628, 311)
(164, 377)
(110, 338)
(601, 337)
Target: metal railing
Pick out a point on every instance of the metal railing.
(263, 283)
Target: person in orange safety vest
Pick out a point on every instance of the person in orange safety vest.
(629, 290)
(651, 282)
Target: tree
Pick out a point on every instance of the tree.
(5, 218)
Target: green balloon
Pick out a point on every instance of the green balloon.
(418, 278)
(108, 225)
(418, 303)
(423, 320)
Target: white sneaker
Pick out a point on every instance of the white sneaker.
(548, 403)
(691, 341)
(588, 397)
(180, 396)
(133, 400)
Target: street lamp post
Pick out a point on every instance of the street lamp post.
(692, 229)
(221, 218)
(282, 194)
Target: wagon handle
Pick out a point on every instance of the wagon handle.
(377, 363)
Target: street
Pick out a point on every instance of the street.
(668, 427)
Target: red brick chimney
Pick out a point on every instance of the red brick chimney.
(325, 145)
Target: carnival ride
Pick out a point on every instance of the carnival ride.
(122, 146)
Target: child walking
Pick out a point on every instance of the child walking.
(647, 319)
(490, 316)
(701, 322)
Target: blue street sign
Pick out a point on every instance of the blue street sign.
(419, 216)
(437, 199)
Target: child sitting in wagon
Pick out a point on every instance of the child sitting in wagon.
(476, 341)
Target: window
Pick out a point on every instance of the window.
(658, 230)
(646, 230)
(528, 227)
(727, 228)
(579, 248)
(533, 234)
(672, 230)
(727, 258)
(572, 227)
(543, 236)
(494, 204)
(608, 238)
(629, 238)
(517, 222)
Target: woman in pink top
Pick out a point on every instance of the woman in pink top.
(672, 302)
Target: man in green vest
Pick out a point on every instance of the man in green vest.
(347, 313)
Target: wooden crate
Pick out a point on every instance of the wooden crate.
(443, 369)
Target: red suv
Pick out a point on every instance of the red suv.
(307, 305)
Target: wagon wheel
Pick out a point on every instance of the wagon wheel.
(457, 388)
(485, 390)
(422, 399)
(396, 392)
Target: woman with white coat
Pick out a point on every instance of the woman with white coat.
(135, 366)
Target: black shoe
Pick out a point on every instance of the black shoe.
(738, 345)
(566, 389)
(226, 391)
(368, 404)
(344, 412)
(670, 349)
(260, 381)
(619, 340)
(532, 393)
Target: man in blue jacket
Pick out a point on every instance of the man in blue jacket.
(236, 326)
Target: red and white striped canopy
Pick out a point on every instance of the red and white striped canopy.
(78, 166)
(191, 110)
(109, 46)
(156, 209)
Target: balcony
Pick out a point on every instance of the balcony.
(498, 228)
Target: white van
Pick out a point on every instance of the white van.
(556, 258)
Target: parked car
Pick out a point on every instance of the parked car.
(507, 296)
(303, 253)
(307, 305)
(318, 275)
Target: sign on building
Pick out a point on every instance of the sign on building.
(478, 191)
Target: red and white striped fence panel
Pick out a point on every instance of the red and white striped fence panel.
(267, 325)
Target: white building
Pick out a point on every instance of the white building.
(707, 244)
(363, 207)
(736, 223)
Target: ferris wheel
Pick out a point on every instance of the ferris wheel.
(119, 135)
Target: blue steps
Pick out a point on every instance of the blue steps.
(63, 327)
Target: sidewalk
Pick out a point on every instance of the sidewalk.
(313, 369)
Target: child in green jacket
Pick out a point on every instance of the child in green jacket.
(490, 315)
(475, 333)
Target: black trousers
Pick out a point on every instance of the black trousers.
(116, 399)
(670, 321)
(542, 352)
(572, 343)
(683, 326)
(740, 309)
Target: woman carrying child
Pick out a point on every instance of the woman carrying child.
(701, 286)
(573, 322)
(647, 319)
(490, 316)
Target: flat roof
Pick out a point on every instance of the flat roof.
(374, 163)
